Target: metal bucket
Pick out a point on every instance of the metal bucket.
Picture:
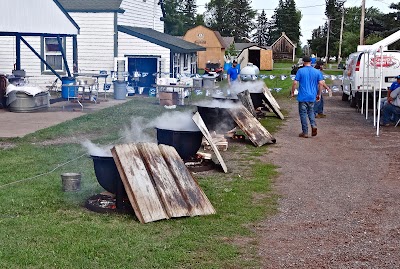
(71, 181)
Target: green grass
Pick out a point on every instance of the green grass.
(43, 227)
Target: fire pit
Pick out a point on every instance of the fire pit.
(108, 177)
(186, 143)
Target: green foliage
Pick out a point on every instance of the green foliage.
(262, 35)
(180, 16)
(286, 19)
(231, 17)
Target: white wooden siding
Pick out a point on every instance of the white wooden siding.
(95, 42)
(130, 45)
(141, 13)
(39, 16)
(29, 62)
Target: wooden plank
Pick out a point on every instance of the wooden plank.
(138, 184)
(251, 126)
(188, 186)
(247, 102)
(174, 204)
(272, 103)
(202, 126)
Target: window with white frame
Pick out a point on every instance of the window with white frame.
(52, 54)
(193, 63)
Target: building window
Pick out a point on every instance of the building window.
(52, 54)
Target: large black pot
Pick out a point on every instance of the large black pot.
(216, 118)
(186, 143)
(107, 173)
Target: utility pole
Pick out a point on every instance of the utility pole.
(341, 34)
(327, 41)
(362, 22)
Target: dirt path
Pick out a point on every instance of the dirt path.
(340, 197)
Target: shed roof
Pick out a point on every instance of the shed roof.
(92, 5)
(34, 17)
(228, 40)
(220, 39)
(242, 46)
(283, 35)
(167, 41)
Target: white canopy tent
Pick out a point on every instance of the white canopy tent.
(376, 48)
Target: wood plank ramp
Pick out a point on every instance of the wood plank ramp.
(247, 102)
(203, 128)
(272, 103)
(251, 126)
(158, 184)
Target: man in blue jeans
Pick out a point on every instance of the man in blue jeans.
(311, 84)
(392, 107)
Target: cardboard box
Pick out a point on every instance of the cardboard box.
(168, 98)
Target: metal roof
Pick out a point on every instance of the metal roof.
(92, 5)
(37, 17)
(167, 41)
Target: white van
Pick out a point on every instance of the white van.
(357, 68)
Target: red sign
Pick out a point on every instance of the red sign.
(387, 61)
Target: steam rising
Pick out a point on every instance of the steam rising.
(96, 150)
(176, 121)
(136, 132)
(218, 103)
(252, 86)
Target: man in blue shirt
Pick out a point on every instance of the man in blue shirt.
(311, 84)
(233, 73)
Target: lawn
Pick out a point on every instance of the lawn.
(43, 227)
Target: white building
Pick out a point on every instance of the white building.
(128, 29)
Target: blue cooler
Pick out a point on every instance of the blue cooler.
(67, 91)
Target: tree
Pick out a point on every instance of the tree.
(188, 14)
(217, 18)
(180, 16)
(230, 17)
(286, 19)
(173, 23)
(262, 35)
(241, 18)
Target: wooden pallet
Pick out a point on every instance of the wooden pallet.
(251, 126)
(158, 184)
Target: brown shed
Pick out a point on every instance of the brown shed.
(284, 48)
(257, 55)
(211, 40)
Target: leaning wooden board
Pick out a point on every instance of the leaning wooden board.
(272, 103)
(174, 204)
(158, 184)
(192, 193)
(138, 184)
(251, 126)
(203, 128)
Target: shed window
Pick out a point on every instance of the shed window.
(52, 54)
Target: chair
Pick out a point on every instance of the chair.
(106, 88)
(54, 87)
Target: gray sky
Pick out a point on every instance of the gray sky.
(312, 10)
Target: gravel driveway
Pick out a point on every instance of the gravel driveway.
(340, 194)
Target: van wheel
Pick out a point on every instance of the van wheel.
(353, 100)
(345, 97)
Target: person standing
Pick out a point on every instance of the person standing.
(319, 105)
(309, 91)
(233, 73)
